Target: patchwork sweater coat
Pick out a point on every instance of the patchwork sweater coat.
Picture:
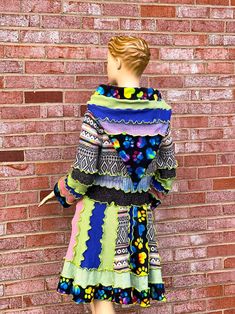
(125, 155)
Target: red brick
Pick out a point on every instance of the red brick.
(221, 303)
(189, 307)
(221, 250)
(201, 160)
(176, 53)
(157, 11)
(53, 52)
(11, 243)
(192, 12)
(100, 23)
(40, 270)
(220, 223)
(11, 98)
(44, 67)
(44, 239)
(28, 36)
(219, 67)
(205, 292)
(12, 303)
(84, 68)
(79, 38)
(213, 2)
(211, 172)
(23, 287)
(230, 27)
(120, 9)
(60, 21)
(137, 24)
(173, 26)
(82, 8)
(191, 280)
(211, 53)
(44, 6)
(229, 262)
(221, 13)
(34, 183)
(41, 298)
(13, 213)
(224, 184)
(21, 257)
(53, 254)
(23, 226)
(24, 52)
(10, 6)
(12, 155)
(51, 224)
(41, 97)
(208, 26)
(167, 82)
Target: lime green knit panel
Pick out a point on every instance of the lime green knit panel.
(84, 277)
(76, 185)
(115, 103)
(166, 183)
(83, 227)
(110, 228)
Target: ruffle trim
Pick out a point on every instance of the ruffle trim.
(133, 121)
(118, 295)
(60, 197)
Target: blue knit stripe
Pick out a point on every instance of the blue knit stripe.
(127, 115)
(91, 255)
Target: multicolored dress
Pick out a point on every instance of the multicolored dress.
(125, 155)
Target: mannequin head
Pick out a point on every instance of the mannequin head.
(127, 59)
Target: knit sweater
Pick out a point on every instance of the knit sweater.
(125, 149)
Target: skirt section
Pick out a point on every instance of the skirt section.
(112, 255)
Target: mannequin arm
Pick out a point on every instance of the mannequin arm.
(162, 181)
(72, 186)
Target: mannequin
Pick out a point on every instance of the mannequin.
(127, 57)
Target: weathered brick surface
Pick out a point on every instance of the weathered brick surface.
(53, 54)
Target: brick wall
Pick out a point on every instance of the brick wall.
(52, 55)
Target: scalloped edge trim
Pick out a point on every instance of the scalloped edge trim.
(119, 103)
(82, 170)
(132, 121)
(154, 274)
(137, 135)
(61, 194)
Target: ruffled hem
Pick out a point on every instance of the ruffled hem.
(117, 295)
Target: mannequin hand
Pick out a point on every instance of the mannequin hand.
(49, 196)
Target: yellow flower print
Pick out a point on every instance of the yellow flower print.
(141, 215)
(128, 91)
(139, 243)
(89, 292)
(142, 257)
(142, 271)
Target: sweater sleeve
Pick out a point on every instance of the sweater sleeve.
(73, 186)
(165, 175)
